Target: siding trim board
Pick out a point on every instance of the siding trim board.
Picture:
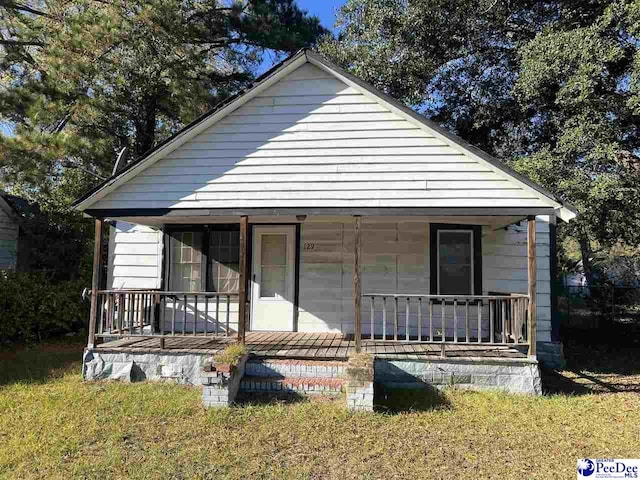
(296, 292)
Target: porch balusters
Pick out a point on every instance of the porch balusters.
(498, 319)
(152, 313)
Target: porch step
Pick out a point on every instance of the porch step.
(297, 385)
(283, 368)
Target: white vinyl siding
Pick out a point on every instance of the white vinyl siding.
(312, 141)
(135, 256)
(395, 259)
(505, 267)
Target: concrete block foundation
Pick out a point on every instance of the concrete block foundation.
(183, 368)
(506, 374)
(356, 378)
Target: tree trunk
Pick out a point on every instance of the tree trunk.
(587, 254)
(146, 127)
(599, 290)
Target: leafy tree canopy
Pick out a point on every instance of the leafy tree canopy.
(551, 88)
(82, 79)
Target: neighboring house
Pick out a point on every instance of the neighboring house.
(9, 229)
(331, 218)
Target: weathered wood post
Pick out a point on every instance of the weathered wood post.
(244, 276)
(357, 289)
(95, 280)
(531, 255)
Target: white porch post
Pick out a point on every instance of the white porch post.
(244, 276)
(357, 289)
(95, 280)
(531, 254)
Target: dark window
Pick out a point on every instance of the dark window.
(224, 255)
(456, 260)
(203, 258)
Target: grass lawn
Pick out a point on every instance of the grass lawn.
(52, 425)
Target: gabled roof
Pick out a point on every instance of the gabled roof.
(277, 73)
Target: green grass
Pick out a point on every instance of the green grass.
(53, 425)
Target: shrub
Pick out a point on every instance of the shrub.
(33, 306)
(231, 355)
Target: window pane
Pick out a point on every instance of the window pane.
(455, 248)
(455, 280)
(273, 281)
(185, 270)
(227, 279)
(224, 255)
(455, 263)
(274, 249)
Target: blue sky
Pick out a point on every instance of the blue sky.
(325, 10)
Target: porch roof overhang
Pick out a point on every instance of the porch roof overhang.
(493, 217)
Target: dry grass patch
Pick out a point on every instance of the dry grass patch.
(65, 428)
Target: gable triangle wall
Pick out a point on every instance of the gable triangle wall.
(311, 140)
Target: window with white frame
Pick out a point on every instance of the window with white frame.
(224, 255)
(455, 258)
(185, 274)
(204, 259)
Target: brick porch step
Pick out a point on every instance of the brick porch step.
(302, 385)
(263, 367)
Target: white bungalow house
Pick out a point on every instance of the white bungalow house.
(312, 215)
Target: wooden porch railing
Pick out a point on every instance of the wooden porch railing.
(472, 319)
(155, 313)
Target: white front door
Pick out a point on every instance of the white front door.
(273, 278)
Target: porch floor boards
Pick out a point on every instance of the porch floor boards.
(325, 346)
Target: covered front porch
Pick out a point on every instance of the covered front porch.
(336, 292)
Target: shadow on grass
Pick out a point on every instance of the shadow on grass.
(41, 362)
(594, 367)
(417, 398)
(269, 398)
